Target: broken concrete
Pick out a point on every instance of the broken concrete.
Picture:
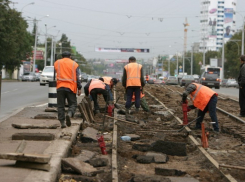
(168, 172)
(144, 159)
(164, 115)
(80, 167)
(85, 155)
(158, 157)
(33, 136)
(170, 148)
(45, 116)
(149, 178)
(99, 162)
(89, 135)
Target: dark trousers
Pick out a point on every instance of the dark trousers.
(130, 91)
(94, 94)
(211, 108)
(72, 103)
(242, 100)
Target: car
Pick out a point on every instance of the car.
(37, 76)
(84, 77)
(47, 75)
(187, 79)
(158, 81)
(151, 80)
(231, 83)
(210, 79)
(29, 77)
(196, 77)
(223, 82)
(172, 80)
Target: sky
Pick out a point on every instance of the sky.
(153, 24)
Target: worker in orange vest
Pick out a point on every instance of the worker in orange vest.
(68, 85)
(132, 81)
(205, 99)
(109, 80)
(146, 78)
(95, 87)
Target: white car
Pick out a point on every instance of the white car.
(47, 75)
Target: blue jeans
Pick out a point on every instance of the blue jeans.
(211, 108)
(130, 91)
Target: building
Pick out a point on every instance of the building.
(217, 19)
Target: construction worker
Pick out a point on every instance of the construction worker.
(205, 99)
(132, 81)
(241, 82)
(143, 102)
(68, 85)
(109, 80)
(146, 78)
(95, 87)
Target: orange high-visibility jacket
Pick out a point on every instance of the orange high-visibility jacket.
(147, 78)
(95, 83)
(133, 71)
(66, 74)
(141, 95)
(201, 96)
(107, 79)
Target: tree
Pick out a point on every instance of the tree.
(15, 41)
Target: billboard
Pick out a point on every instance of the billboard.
(39, 55)
(212, 19)
(228, 21)
(120, 50)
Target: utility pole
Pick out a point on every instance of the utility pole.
(52, 51)
(185, 42)
(177, 65)
(35, 46)
(243, 36)
(45, 57)
(223, 55)
(191, 59)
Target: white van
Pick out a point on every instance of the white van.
(47, 75)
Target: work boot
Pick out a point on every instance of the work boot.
(63, 125)
(137, 110)
(68, 119)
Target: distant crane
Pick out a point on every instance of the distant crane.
(185, 33)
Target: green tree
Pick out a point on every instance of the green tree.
(15, 41)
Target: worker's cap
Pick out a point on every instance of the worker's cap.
(114, 80)
(66, 53)
(132, 58)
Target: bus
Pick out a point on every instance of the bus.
(211, 69)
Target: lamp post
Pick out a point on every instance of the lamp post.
(223, 55)
(243, 24)
(169, 61)
(236, 44)
(35, 45)
(192, 59)
(26, 5)
(45, 57)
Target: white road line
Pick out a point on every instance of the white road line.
(40, 105)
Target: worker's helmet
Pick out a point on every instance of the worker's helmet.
(66, 54)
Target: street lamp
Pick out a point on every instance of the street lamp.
(35, 45)
(243, 24)
(45, 58)
(26, 5)
(169, 61)
(236, 44)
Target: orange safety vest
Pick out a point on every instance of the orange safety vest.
(141, 95)
(201, 96)
(95, 83)
(107, 80)
(133, 71)
(66, 74)
(147, 78)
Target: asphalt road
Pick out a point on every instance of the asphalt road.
(231, 91)
(17, 95)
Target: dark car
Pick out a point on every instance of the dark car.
(210, 80)
(187, 79)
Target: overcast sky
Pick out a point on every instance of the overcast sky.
(153, 24)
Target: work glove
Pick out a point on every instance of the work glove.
(184, 97)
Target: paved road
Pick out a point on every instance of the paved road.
(234, 92)
(17, 95)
